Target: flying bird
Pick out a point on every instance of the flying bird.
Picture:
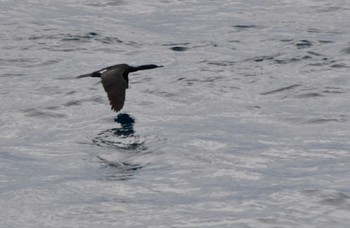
(115, 80)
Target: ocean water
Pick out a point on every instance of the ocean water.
(246, 125)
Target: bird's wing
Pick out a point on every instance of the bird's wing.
(115, 88)
(110, 68)
(102, 71)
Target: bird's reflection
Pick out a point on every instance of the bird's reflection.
(127, 125)
(127, 145)
(121, 138)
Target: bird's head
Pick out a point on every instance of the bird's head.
(142, 67)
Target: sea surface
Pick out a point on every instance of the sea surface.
(246, 125)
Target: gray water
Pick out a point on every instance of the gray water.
(246, 125)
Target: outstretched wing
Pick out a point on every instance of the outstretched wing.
(115, 87)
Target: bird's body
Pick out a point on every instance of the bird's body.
(115, 81)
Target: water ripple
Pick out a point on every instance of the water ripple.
(118, 170)
(286, 88)
(43, 113)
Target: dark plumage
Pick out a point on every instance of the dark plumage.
(115, 81)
